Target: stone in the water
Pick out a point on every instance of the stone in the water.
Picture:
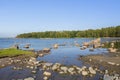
(47, 74)
(29, 78)
(33, 71)
(106, 71)
(92, 71)
(84, 73)
(63, 68)
(107, 77)
(45, 78)
(71, 70)
(56, 66)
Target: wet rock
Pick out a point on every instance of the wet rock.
(55, 46)
(106, 71)
(64, 69)
(41, 55)
(111, 63)
(117, 64)
(46, 50)
(33, 61)
(29, 78)
(90, 60)
(33, 71)
(84, 67)
(27, 45)
(91, 49)
(84, 73)
(56, 66)
(86, 44)
(112, 50)
(71, 71)
(92, 71)
(45, 78)
(48, 74)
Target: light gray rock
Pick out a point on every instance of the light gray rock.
(64, 69)
(56, 66)
(45, 78)
(84, 73)
(48, 74)
(92, 71)
(29, 78)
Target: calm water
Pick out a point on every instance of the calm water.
(67, 55)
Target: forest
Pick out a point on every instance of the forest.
(103, 32)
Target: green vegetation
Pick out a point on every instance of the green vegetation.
(14, 52)
(104, 32)
(116, 45)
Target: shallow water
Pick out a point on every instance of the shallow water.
(67, 55)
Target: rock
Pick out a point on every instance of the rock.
(45, 78)
(64, 69)
(55, 46)
(112, 44)
(77, 45)
(82, 48)
(92, 71)
(61, 72)
(15, 68)
(33, 61)
(29, 78)
(71, 70)
(48, 74)
(48, 64)
(84, 67)
(111, 63)
(41, 55)
(117, 64)
(86, 44)
(27, 45)
(84, 73)
(112, 50)
(91, 49)
(106, 71)
(107, 77)
(46, 50)
(2, 65)
(56, 66)
(79, 69)
(31, 67)
(90, 60)
(33, 71)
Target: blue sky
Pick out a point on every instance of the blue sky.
(22, 16)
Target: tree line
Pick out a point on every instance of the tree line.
(103, 32)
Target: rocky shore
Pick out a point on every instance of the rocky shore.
(104, 66)
(109, 63)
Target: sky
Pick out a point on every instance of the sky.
(23, 16)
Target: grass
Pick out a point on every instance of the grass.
(14, 52)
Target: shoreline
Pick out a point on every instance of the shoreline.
(107, 61)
